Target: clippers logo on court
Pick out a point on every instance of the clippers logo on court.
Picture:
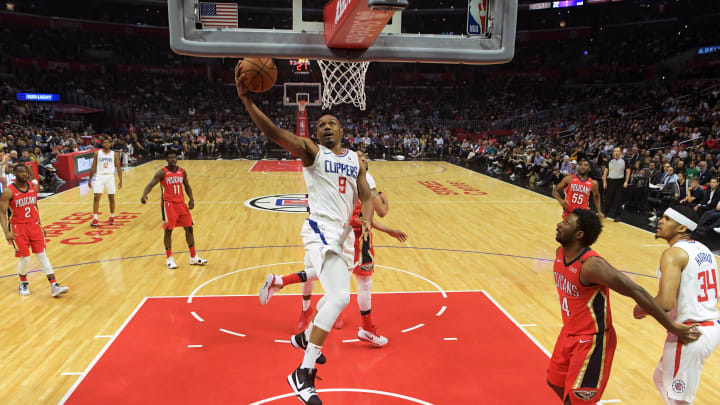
(585, 395)
(678, 386)
(292, 203)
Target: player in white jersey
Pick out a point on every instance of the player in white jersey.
(689, 292)
(334, 179)
(105, 165)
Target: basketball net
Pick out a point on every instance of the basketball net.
(344, 82)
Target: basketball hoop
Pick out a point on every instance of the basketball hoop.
(344, 82)
(301, 105)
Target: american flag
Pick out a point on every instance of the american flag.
(219, 15)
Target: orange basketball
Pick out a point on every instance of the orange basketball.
(260, 73)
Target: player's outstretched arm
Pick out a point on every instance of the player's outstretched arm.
(597, 271)
(155, 180)
(380, 202)
(93, 168)
(297, 145)
(188, 190)
(561, 186)
(366, 202)
(672, 262)
(395, 233)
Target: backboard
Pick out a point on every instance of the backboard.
(294, 92)
(427, 31)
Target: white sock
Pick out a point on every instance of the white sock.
(94, 216)
(44, 263)
(311, 354)
(112, 215)
(306, 304)
(278, 281)
(308, 330)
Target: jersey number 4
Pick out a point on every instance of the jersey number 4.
(564, 306)
(708, 282)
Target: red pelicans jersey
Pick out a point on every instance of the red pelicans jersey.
(172, 185)
(577, 193)
(22, 205)
(585, 310)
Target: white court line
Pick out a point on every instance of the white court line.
(351, 340)
(192, 294)
(527, 324)
(194, 346)
(253, 166)
(420, 325)
(609, 401)
(70, 373)
(281, 341)
(97, 358)
(441, 311)
(515, 322)
(418, 276)
(103, 336)
(196, 316)
(449, 338)
(229, 332)
(388, 394)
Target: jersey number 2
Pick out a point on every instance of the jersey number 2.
(342, 182)
(708, 282)
(27, 212)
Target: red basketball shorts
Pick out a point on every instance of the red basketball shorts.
(28, 235)
(581, 364)
(364, 255)
(176, 214)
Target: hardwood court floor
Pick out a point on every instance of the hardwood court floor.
(467, 232)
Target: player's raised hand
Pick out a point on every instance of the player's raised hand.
(239, 76)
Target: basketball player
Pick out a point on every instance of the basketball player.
(26, 232)
(689, 292)
(334, 178)
(580, 365)
(363, 268)
(173, 178)
(105, 165)
(577, 189)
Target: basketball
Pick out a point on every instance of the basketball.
(260, 73)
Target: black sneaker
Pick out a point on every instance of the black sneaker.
(302, 382)
(300, 342)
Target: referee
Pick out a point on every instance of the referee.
(615, 178)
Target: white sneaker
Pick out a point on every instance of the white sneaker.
(717, 230)
(372, 337)
(170, 263)
(267, 290)
(197, 261)
(23, 288)
(57, 289)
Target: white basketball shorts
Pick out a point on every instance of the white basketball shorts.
(678, 372)
(104, 182)
(321, 237)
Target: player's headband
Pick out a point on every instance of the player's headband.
(681, 219)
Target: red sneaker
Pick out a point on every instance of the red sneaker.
(305, 318)
(339, 322)
(94, 222)
(111, 221)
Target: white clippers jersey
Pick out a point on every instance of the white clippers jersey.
(698, 296)
(105, 162)
(332, 185)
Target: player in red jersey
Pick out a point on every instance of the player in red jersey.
(25, 230)
(577, 188)
(580, 365)
(173, 178)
